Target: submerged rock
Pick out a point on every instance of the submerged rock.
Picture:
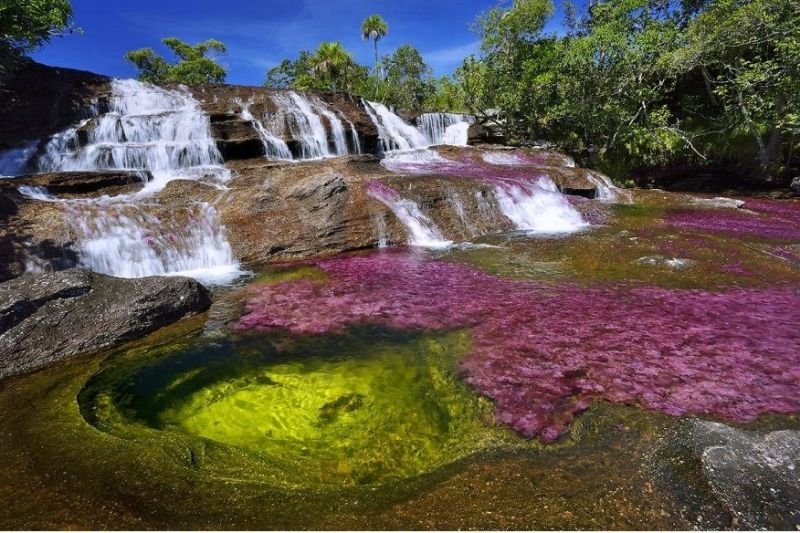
(756, 476)
(46, 317)
(85, 182)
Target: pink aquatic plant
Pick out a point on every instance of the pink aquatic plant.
(543, 353)
(774, 219)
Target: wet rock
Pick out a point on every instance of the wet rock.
(37, 101)
(755, 475)
(676, 263)
(479, 134)
(795, 185)
(719, 202)
(85, 182)
(46, 317)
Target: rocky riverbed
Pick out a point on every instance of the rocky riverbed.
(436, 336)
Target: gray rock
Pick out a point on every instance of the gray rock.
(755, 475)
(721, 202)
(46, 317)
(795, 186)
(676, 263)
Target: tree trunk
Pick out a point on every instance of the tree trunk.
(376, 59)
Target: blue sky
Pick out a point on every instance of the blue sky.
(259, 33)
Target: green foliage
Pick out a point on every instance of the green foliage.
(642, 83)
(193, 65)
(374, 28)
(26, 25)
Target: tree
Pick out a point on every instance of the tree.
(331, 63)
(193, 66)
(748, 57)
(375, 28)
(288, 72)
(26, 25)
(408, 80)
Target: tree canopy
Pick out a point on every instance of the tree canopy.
(26, 25)
(643, 83)
(193, 66)
(374, 28)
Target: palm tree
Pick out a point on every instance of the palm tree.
(331, 60)
(374, 27)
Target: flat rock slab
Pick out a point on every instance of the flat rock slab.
(46, 317)
(755, 475)
(84, 182)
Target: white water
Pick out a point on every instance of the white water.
(148, 128)
(304, 125)
(13, 162)
(538, 208)
(434, 128)
(394, 132)
(127, 242)
(503, 158)
(274, 147)
(608, 191)
(420, 229)
(445, 128)
(163, 131)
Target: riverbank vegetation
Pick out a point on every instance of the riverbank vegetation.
(626, 86)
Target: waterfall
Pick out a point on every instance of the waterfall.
(125, 241)
(274, 147)
(394, 132)
(538, 207)
(445, 128)
(608, 191)
(434, 128)
(503, 158)
(148, 128)
(337, 128)
(420, 229)
(304, 125)
(14, 162)
(355, 139)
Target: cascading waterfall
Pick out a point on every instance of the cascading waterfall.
(434, 128)
(14, 162)
(531, 203)
(148, 128)
(306, 126)
(124, 241)
(274, 147)
(445, 128)
(608, 191)
(420, 229)
(394, 132)
(354, 136)
(162, 131)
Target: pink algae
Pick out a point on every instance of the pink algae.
(775, 219)
(544, 353)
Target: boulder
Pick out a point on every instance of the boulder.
(84, 182)
(479, 134)
(47, 317)
(795, 185)
(755, 475)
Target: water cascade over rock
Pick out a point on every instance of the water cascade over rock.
(147, 128)
(530, 200)
(163, 134)
(303, 117)
(421, 230)
(274, 146)
(434, 128)
(445, 128)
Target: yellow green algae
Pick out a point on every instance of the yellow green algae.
(622, 250)
(89, 457)
(326, 411)
(196, 428)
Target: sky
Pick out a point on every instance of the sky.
(260, 33)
